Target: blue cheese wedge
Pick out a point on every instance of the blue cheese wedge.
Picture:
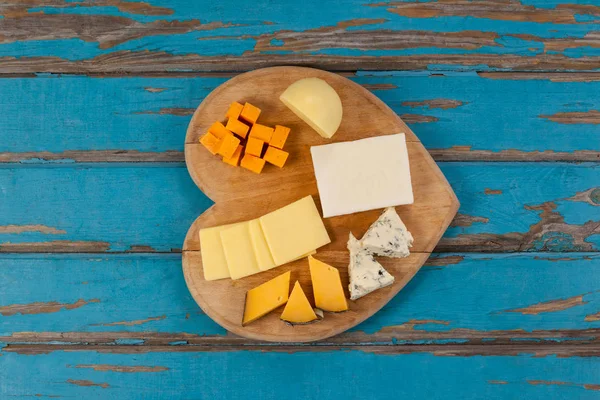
(388, 236)
(366, 274)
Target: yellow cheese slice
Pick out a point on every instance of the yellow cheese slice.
(239, 253)
(327, 286)
(294, 230)
(265, 298)
(298, 310)
(261, 248)
(214, 263)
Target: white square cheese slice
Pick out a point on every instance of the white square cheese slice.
(362, 175)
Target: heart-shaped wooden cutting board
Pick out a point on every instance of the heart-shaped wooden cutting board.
(241, 195)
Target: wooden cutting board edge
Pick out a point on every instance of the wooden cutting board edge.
(440, 202)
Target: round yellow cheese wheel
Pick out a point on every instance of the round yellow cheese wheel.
(316, 103)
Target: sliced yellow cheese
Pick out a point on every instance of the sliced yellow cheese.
(239, 253)
(327, 286)
(214, 262)
(261, 248)
(298, 310)
(294, 230)
(265, 298)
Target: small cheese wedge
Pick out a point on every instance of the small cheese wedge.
(366, 274)
(214, 263)
(253, 163)
(276, 157)
(261, 248)
(234, 110)
(219, 130)
(262, 132)
(254, 146)
(265, 298)
(327, 286)
(294, 230)
(238, 127)
(298, 310)
(280, 135)
(316, 103)
(211, 142)
(250, 113)
(388, 236)
(235, 158)
(229, 145)
(239, 253)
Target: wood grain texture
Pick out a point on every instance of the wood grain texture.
(454, 299)
(241, 196)
(144, 119)
(536, 313)
(172, 35)
(189, 374)
(560, 215)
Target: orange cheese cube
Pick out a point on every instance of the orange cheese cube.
(211, 142)
(229, 145)
(250, 113)
(235, 158)
(275, 156)
(238, 127)
(234, 110)
(253, 163)
(219, 130)
(280, 135)
(254, 146)
(262, 132)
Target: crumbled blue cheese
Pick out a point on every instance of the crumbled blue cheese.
(366, 274)
(388, 236)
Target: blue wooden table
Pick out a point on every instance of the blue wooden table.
(95, 198)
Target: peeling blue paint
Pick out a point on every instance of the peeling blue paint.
(129, 342)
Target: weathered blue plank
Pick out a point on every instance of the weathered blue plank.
(113, 207)
(151, 114)
(176, 34)
(116, 207)
(465, 296)
(303, 375)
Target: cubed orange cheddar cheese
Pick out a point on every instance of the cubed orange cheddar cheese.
(280, 135)
(275, 156)
(254, 146)
(253, 163)
(250, 113)
(238, 127)
(234, 110)
(235, 158)
(211, 142)
(219, 130)
(229, 145)
(262, 132)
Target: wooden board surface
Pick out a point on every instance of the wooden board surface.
(456, 115)
(96, 306)
(178, 35)
(241, 196)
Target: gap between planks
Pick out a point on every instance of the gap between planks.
(561, 350)
(454, 154)
(404, 334)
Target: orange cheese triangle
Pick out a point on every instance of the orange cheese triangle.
(327, 286)
(265, 298)
(298, 310)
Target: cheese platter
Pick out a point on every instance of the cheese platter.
(326, 204)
